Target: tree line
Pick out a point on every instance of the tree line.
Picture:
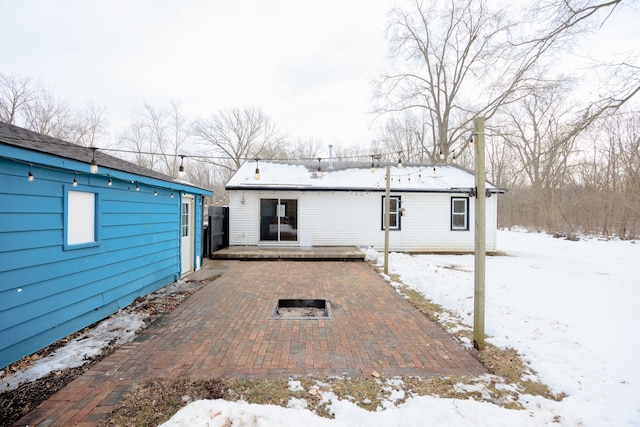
(570, 160)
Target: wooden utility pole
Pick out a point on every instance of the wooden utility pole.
(480, 238)
(387, 208)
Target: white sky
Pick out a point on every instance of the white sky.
(308, 65)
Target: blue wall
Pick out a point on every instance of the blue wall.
(48, 291)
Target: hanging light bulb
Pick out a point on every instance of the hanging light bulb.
(155, 193)
(172, 195)
(257, 174)
(110, 182)
(453, 159)
(441, 154)
(94, 164)
(434, 170)
(399, 159)
(30, 177)
(319, 171)
(409, 179)
(181, 168)
(373, 167)
(75, 181)
(137, 187)
(471, 142)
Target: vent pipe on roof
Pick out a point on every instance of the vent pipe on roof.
(330, 156)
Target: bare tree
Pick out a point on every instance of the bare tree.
(158, 138)
(137, 138)
(460, 64)
(16, 92)
(89, 126)
(234, 135)
(462, 60)
(49, 115)
(406, 135)
(300, 149)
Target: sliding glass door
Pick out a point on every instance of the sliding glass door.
(279, 220)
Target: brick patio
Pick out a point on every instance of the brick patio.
(225, 329)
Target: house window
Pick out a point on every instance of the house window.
(185, 219)
(394, 215)
(81, 224)
(460, 213)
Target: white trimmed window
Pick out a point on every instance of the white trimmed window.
(394, 212)
(459, 213)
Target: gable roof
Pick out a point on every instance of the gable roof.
(354, 176)
(15, 136)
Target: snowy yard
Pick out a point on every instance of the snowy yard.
(569, 308)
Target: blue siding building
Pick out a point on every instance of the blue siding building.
(77, 246)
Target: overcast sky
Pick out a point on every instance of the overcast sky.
(308, 65)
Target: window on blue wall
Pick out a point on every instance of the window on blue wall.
(81, 219)
(460, 213)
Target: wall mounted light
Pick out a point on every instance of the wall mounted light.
(30, 177)
(257, 174)
(94, 164)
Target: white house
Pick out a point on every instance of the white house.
(281, 203)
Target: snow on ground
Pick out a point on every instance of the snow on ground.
(119, 328)
(569, 308)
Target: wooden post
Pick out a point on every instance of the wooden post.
(387, 208)
(480, 237)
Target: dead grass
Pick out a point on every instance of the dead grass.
(156, 401)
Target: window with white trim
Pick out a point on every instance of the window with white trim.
(81, 219)
(394, 212)
(460, 213)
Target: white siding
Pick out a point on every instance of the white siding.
(343, 218)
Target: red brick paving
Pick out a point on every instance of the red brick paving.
(225, 329)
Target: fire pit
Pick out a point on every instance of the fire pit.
(302, 309)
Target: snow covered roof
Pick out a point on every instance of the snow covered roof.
(356, 176)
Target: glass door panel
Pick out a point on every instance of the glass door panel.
(268, 219)
(279, 220)
(288, 220)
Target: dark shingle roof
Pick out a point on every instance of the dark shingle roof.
(23, 138)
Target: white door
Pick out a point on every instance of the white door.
(187, 239)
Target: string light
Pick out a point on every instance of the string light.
(181, 168)
(137, 187)
(399, 159)
(30, 177)
(75, 181)
(155, 193)
(257, 174)
(110, 182)
(319, 171)
(94, 164)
